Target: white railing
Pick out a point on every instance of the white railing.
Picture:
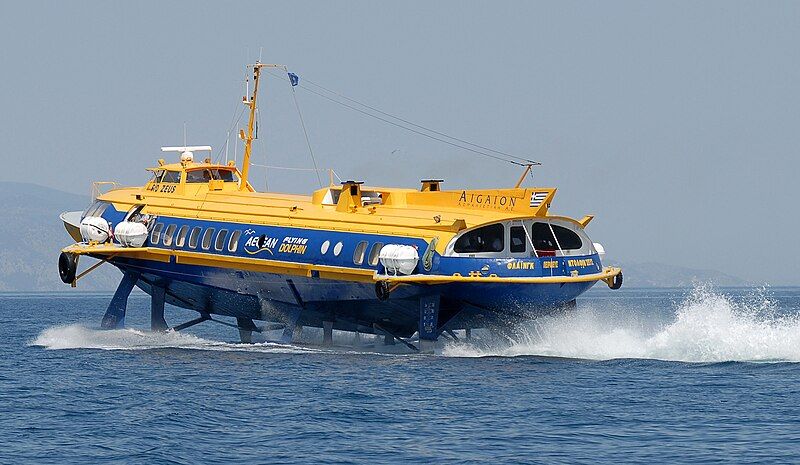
(101, 187)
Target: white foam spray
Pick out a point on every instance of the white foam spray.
(707, 327)
(80, 337)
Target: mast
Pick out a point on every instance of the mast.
(249, 136)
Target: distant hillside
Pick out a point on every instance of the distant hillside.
(31, 236)
(661, 275)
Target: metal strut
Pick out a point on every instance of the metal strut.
(396, 337)
(114, 317)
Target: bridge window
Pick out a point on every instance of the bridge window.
(224, 175)
(518, 239)
(171, 177)
(198, 176)
(168, 233)
(486, 239)
(194, 236)
(219, 244)
(206, 244)
(181, 239)
(374, 253)
(155, 236)
(233, 243)
(358, 254)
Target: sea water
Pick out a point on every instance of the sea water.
(678, 375)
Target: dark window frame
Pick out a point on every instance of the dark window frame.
(169, 234)
(482, 240)
(155, 235)
(233, 240)
(194, 237)
(512, 247)
(219, 242)
(359, 252)
(180, 238)
(208, 235)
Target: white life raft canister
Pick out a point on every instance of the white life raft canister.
(130, 234)
(397, 258)
(95, 229)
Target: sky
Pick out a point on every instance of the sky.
(676, 123)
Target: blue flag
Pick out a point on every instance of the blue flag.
(294, 79)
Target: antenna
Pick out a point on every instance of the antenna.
(184, 133)
(227, 140)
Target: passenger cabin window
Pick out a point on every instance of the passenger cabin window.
(219, 244)
(374, 253)
(206, 244)
(234, 241)
(358, 254)
(181, 239)
(171, 176)
(486, 239)
(96, 209)
(545, 244)
(194, 236)
(518, 239)
(568, 240)
(155, 236)
(168, 233)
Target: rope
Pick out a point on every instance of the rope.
(290, 168)
(420, 132)
(414, 124)
(305, 133)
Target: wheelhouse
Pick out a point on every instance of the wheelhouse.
(177, 177)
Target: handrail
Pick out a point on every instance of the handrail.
(97, 187)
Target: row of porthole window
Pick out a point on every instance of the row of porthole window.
(220, 242)
(168, 235)
(358, 254)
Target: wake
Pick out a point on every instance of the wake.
(706, 327)
(80, 337)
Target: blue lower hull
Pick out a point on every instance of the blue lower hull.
(349, 305)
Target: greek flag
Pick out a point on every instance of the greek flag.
(537, 198)
(294, 79)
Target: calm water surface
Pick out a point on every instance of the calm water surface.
(638, 375)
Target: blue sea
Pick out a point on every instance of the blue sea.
(678, 375)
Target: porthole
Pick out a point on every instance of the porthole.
(234, 242)
(325, 246)
(194, 236)
(358, 254)
(156, 235)
(206, 243)
(337, 249)
(168, 233)
(374, 253)
(181, 239)
(219, 244)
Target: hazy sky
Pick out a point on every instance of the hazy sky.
(677, 124)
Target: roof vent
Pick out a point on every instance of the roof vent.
(431, 185)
